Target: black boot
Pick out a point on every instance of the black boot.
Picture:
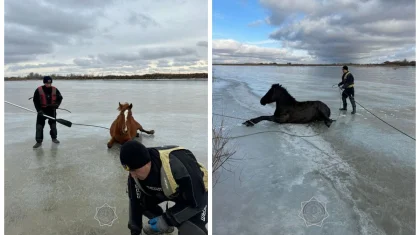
(53, 132)
(344, 108)
(39, 135)
(353, 104)
(37, 145)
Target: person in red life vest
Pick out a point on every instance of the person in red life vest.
(47, 99)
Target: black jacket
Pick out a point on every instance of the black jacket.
(48, 92)
(191, 186)
(348, 81)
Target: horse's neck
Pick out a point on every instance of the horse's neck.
(120, 123)
(290, 101)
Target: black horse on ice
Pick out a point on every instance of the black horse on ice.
(288, 110)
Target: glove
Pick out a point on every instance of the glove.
(40, 113)
(157, 225)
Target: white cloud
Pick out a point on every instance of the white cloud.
(343, 30)
(102, 36)
(256, 23)
(231, 51)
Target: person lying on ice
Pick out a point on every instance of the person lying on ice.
(160, 174)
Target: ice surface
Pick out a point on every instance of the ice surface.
(56, 189)
(361, 168)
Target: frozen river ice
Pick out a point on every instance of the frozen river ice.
(362, 169)
(56, 189)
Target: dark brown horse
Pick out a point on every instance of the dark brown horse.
(288, 110)
(125, 127)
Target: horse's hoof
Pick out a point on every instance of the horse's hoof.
(137, 135)
(109, 146)
(152, 132)
(328, 123)
(248, 123)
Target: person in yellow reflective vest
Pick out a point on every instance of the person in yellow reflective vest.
(159, 174)
(347, 83)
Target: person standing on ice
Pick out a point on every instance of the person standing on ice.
(47, 99)
(159, 174)
(347, 82)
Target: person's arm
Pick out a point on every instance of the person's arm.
(59, 98)
(36, 101)
(181, 212)
(190, 183)
(135, 223)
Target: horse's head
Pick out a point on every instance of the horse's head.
(125, 113)
(277, 93)
(271, 95)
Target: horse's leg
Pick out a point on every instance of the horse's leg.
(112, 134)
(111, 142)
(140, 128)
(325, 114)
(151, 132)
(252, 122)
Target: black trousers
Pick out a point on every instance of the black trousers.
(348, 92)
(40, 123)
(191, 221)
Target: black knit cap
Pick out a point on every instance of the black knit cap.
(134, 155)
(345, 67)
(47, 79)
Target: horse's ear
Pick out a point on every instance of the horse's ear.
(119, 104)
(276, 85)
(131, 106)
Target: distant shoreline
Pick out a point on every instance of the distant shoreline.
(145, 77)
(319, 65)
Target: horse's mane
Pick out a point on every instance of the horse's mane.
(286, 96)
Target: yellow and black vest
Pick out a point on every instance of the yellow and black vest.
(169, 185)
(344, 79)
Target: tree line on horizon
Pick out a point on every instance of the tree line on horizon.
(38, 76)
(404, 62)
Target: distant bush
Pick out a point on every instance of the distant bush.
(401, 63)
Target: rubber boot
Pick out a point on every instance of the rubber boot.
(37, 145)
(39, 135)
(344, 108)
(53, 133)
(353, 104)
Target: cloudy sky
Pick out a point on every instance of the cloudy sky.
(105, 36)
(313, 31)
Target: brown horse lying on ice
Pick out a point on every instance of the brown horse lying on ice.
(125, 127)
